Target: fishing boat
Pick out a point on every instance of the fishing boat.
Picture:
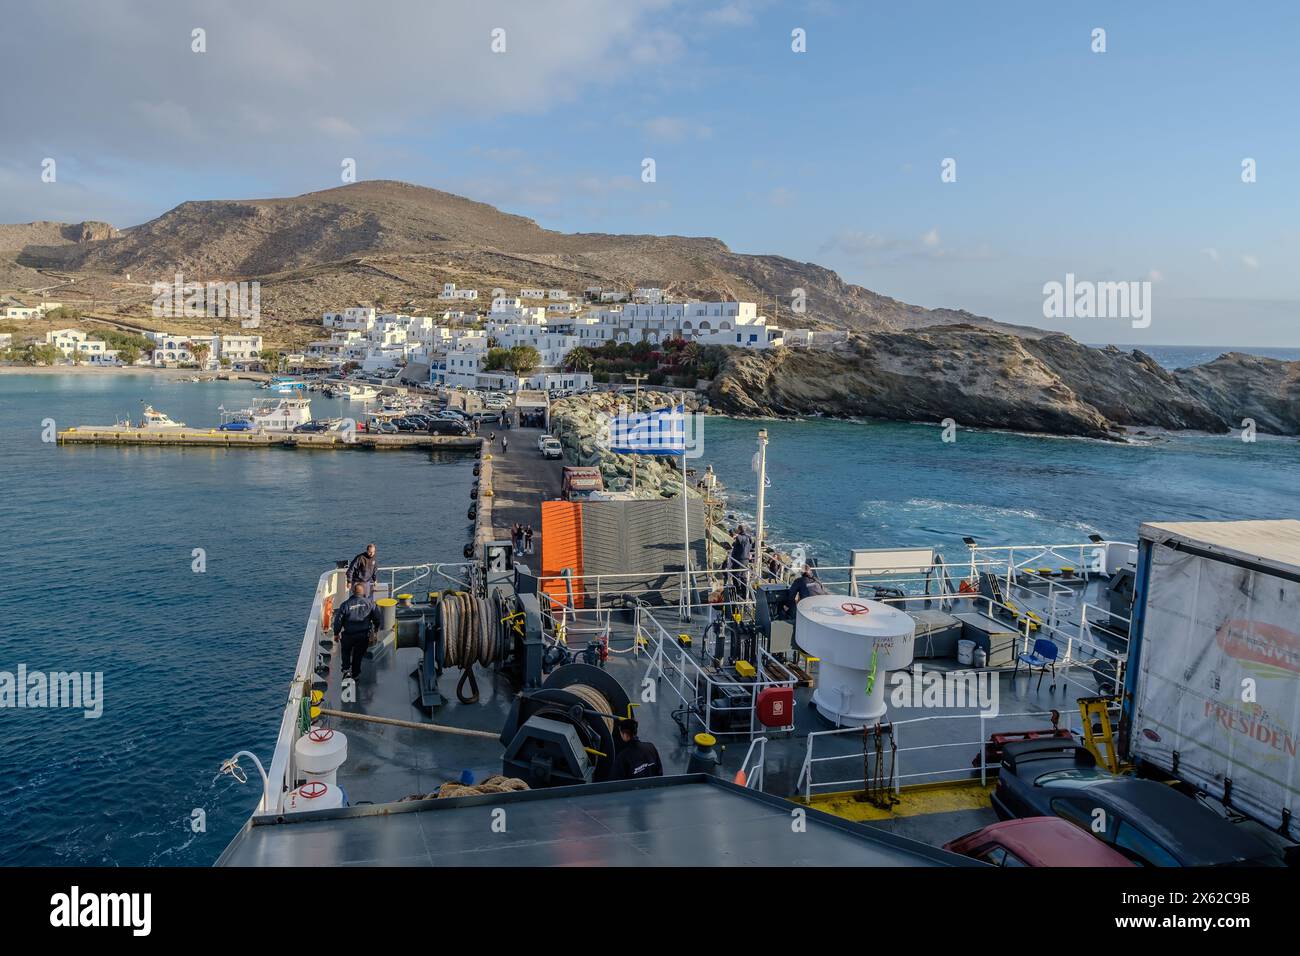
(151, 418)
(272, 415)
(286, 385)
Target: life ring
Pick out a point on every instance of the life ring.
(326, 611)
(852, 607)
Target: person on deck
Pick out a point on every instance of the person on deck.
(740, 558)
(636, 758)
(354, 621)
(528, 539)
(362, 570)
(806, 585)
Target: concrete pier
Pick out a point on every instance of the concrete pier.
(213, 438)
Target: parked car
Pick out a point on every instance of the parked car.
(239, 425)
(446, 426)
(384, 428)
(1036, 841)
(1149, 822)
(409, 425)
(551, 448)
(312, 426)
(542, 439)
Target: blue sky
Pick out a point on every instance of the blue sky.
(1123, 165)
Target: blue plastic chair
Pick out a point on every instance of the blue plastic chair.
(1043, 656)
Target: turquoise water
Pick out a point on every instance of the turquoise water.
(841, 485)
(97, 572)
(1185, 356)
(96, 565)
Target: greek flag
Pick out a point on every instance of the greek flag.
(659, 432)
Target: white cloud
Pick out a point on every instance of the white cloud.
(931, 239)
(1250, 262)
(675, 128)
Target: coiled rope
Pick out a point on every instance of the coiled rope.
(471, 634)
(595, 700)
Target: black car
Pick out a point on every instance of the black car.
(1151, 823)
(312, 426)
(447, 426)
(407, 425)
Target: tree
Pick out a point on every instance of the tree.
(269, 358)
(523, 359)
(200, 352)
(496, 360)
(579, 359)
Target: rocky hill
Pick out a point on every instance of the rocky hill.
(985, 378)
(394, 243)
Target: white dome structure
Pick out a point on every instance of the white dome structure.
(850, 636)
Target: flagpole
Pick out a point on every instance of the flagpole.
(758, 521)
(686, 510)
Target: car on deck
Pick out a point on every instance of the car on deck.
(1149, 822)
(1036, 841)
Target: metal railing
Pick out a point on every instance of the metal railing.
(753, 764)
(805, 783)
(694, 685)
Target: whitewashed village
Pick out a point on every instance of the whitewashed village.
(535, 339)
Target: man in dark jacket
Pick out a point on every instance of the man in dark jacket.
(740, 558)
(636, 758)
(362, 570)
(354, 620)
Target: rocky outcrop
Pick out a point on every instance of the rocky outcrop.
(985, 378)
(581, 425)
(1240, 386)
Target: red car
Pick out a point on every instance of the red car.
(1036, 841)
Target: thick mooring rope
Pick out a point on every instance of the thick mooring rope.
(469, 636)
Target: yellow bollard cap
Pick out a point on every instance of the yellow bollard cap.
(706, 740)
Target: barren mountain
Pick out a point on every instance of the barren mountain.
(394, 242)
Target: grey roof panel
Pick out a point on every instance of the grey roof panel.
(688, 820)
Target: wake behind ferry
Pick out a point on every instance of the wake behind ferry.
(904, 706)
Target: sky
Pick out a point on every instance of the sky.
(1122, 165)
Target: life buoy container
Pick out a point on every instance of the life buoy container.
(326, 611)
(966, 588)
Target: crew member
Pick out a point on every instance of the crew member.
(806, 585)
(636, 758)
(742, 554)
(354, 621)
(362, 570)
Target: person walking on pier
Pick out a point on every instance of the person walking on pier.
(528, 539)
(362, 570)
(505, 444)
(354, 621)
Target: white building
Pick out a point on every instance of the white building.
(556, 295)
(356, 318)
(532, 293)
(75, 342)
(173, 349)
(449, 291)
(28, 311)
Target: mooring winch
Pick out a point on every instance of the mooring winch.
(565, 732)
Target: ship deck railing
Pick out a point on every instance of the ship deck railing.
(961, 772)
(670, 661)
(281, 774)
(667, 588)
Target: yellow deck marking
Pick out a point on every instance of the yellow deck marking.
(914, 801)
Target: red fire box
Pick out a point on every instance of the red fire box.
(775, 706)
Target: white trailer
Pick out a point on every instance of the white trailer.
(1213, 683)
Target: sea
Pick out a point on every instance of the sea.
(98, 564)
(99, 573)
